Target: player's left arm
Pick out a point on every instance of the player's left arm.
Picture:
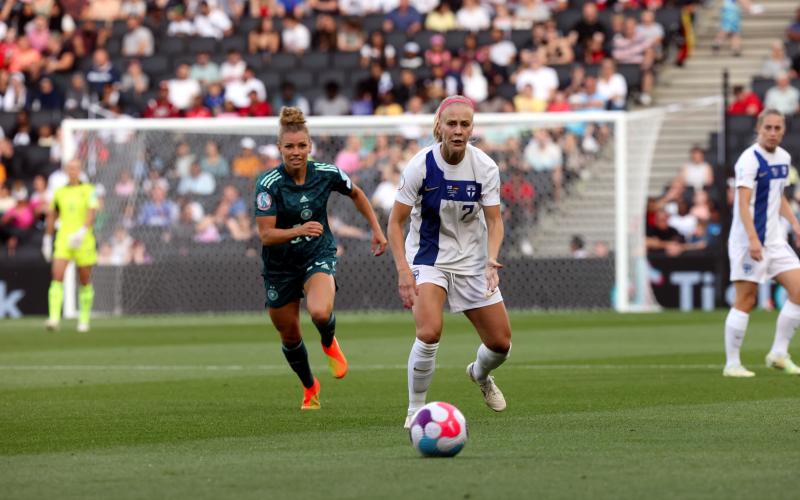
(788, 214)
(363, 205)
(76, 238)
(494, 223)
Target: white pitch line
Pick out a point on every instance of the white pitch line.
(243, 368)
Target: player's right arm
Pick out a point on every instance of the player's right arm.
(746, 171)
(407, 195)
(266, 212)
(49, 230)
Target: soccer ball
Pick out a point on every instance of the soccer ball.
(438, 430)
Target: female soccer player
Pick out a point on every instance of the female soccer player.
(757, 245)
(451, 191)
(299, 251)
(74, 205)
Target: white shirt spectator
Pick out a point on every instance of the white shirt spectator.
(202, 184)
(502, 53)
(543, 157)
(183, 27)
(214, 25)
(615, 89)
(544, 81)
(181, 92)
(297, 39)
(359, 7)
(473, 19)
(476, 87)
(235, 71)
(138, 42)
(424, 6)
(784, 100)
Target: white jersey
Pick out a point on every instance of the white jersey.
(448, 230)
(766, 174)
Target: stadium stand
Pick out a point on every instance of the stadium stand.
(78, 60)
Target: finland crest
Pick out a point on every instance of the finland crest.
(263, 201)
(747, 268)
(471, 191)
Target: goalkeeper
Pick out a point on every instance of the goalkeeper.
(74, 206)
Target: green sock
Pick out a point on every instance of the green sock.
(327, 330)
(85, 298)
(55, 298)
(297, 357)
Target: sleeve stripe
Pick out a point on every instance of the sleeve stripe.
(269, 178)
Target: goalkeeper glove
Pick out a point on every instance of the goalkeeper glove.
(76, 238)
(47, 247)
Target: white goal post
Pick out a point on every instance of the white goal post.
(629, 151)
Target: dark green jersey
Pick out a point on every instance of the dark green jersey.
(277, 194)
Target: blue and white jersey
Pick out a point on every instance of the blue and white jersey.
(448, 229)
(766, 174)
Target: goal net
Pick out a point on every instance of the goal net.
(176, 233)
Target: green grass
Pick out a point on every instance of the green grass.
(599, 406)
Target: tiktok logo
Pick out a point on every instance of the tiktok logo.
(8, 303)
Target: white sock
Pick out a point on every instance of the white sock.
(735, 328)
(486, 361)
(421, 364)
(788, 321)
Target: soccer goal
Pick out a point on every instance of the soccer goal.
(574, 193)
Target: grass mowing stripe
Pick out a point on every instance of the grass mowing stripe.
(353, 367)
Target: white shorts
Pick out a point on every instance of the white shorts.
(464, 292)
(777, 259)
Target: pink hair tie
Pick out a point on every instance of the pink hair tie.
(454, 100)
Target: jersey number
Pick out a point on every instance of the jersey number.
(300, 238)
(467, 209)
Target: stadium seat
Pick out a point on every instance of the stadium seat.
(172, 45)
(233, 43)
(271, 79)
(423, 39)
(373, 22)
(301, 78)
(507, 90)
(346, 60)
(761, 85)
(336, 75)
(114, 46)
(566, 19)
(315, 61)
(741, 124)
(792, 49)
(254, 61)
(200, 44)
(454, 40)
(669, 18)
(521, 38)
(8, 121)
(396, 40)
(39, 118)
(356, 76)
(282, 62)
(632, 74)
(246, 24)
(119, 28)
(157, 64)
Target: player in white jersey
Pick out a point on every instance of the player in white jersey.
(757, 245)
(451, 191)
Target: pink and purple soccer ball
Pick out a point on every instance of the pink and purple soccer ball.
(438, 430)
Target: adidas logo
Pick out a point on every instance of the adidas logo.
(304, 199)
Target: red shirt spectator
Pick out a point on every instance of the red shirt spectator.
(745, 102)
(160, 107)
(517, 190)
(256, 107)
(198, 110)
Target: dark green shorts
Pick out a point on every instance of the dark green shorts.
(284, 288)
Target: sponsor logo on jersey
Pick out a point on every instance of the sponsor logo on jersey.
(305, 214)
(303, 199)
(264, 201)
(431, 188)
(452, 190)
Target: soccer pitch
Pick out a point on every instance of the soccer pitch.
(600, 405)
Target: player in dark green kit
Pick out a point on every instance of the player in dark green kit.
(299, 251)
